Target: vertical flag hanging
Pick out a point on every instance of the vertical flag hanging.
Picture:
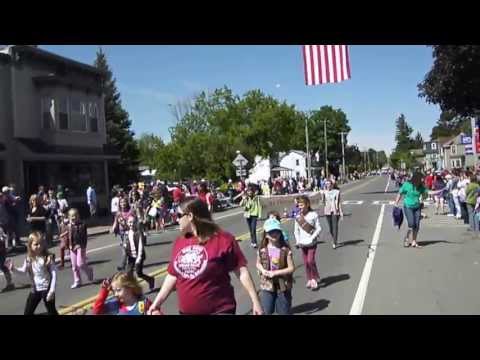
(326, 64)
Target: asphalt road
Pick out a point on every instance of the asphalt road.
(370, 274)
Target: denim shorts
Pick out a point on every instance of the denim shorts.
(413, 217)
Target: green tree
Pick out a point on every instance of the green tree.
(402, 135)
(418, 141)
(118, 125)
(149, 145)
(337, 122)
(453, 82)
(450, 124)
(382, 158)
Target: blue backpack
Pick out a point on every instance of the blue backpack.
(397, 215)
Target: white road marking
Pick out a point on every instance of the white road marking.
(383, 202)
(361, 293)
(388, 184)
(229, 215)
(352, 202)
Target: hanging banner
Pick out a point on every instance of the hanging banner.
(476, 134)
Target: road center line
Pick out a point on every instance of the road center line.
(388, 184)
(358, 301)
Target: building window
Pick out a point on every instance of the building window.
(457, 163)
(63, 114)
(434, 146)
(48, 113)
(453, 150)
(93, 117)
(424, 146)
(297, 162)
(78, 114)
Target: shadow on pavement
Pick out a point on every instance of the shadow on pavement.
(160, 243)
(426, 243)
(380, 192)
(350, 242)
(97, 262)
(310, 308)
(155, 264)
(329, 280)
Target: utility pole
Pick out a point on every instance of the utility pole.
(365, 161)
(343, 157)
(326, 151)
(368, 160)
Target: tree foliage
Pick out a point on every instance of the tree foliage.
(453, 82)
(118, 125)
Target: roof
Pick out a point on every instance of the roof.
(299, 152)
(53, 57)
(444, 140)
(281, 168)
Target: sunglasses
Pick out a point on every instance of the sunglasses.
(180, 215)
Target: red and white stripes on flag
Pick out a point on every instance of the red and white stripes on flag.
(326, 64)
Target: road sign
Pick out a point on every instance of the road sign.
(240, 161)
(242, 172)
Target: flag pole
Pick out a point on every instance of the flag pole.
(326, 151)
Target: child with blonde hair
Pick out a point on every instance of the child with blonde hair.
(128, 296)
(39, 265)
(77, 244)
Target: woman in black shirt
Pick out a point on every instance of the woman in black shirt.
(37, 215)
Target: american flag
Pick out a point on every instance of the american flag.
(326, 64)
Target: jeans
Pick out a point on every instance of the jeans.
(464, 212)
(413, 217)
(458, 208)
(451, 205)
(279, 301)
(78, 258)
(252, 226)
(310, 264)
(332, 221)
(472, 219)
(34, 299)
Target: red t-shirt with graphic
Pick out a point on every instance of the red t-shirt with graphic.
(202, 272)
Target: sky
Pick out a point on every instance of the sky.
(383, 85)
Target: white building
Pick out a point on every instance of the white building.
(296, 161)
(291, 164)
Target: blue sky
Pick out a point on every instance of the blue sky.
(383, 85)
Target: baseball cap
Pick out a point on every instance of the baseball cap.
(5, 189)
(271, 225)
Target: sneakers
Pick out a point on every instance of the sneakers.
(75, 285)
(9, 287)
(450, 215)
(309, 284)
(254, 245)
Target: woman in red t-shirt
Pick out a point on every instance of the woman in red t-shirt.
(201, 261)
(205, 195)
